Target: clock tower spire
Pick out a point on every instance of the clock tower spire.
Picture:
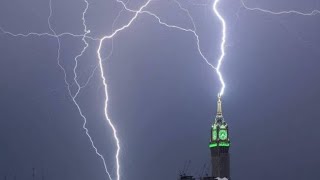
(219, 145)
(219, 106)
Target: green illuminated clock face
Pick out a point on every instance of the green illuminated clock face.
(214, 135)
(223, 134)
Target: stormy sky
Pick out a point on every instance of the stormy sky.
(162, 95)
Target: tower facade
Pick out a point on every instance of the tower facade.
(219, 145)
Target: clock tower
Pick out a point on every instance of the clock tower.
(219, 145)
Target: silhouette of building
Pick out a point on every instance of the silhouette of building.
(219, 145)
(219, 148)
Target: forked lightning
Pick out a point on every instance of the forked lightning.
(84, 37)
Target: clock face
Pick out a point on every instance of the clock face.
(214, 135)
(223, 134)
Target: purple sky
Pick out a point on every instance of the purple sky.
(162, 94)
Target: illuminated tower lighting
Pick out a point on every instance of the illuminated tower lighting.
(219, 145)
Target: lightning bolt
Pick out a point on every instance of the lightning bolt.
(73, 97)
(193, 31)
(161, 22)
(312, 13)
(85, 37)
(106, 85)
(223, 29)
(222, 46)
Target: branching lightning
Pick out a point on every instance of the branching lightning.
(312, 13)
(73, 97)
(85, 37)
(193, 31)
